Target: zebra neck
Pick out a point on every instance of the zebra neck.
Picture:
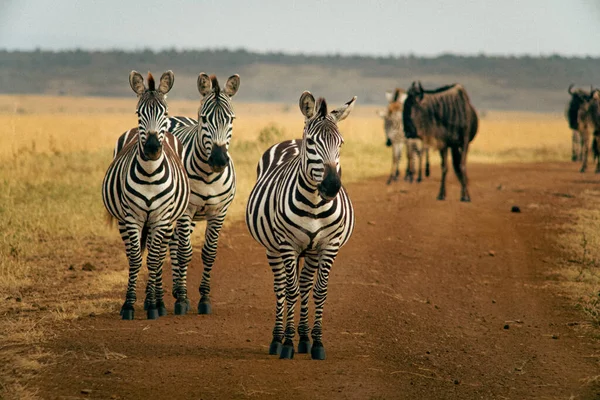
(198, 160)
(306, 190)
(149, 166)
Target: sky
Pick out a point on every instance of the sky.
(378, 28)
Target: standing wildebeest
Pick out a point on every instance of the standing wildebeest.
(594, 117)
(395, 138)
(443, 118)
(581, 124)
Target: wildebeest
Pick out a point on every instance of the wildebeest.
(594, 118)
(443, 118)
(579, 121)
(395, 138)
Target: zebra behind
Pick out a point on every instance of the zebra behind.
(299, 208)
(146, 189)
(443, 118)
(396, 139)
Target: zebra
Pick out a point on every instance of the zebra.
(212, 179)
(146, 190)
(443, 118)
(299, 208)
(395, 138)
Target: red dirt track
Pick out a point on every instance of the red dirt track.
(417, 308)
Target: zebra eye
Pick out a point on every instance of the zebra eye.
(203, 119)
(310, 142)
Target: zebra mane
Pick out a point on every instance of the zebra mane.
(215, 85)
(151, 86)
(321, 107)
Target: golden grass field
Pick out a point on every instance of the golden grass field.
(52, 217)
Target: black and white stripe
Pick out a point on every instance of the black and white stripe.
(298, 208)
(146, 189)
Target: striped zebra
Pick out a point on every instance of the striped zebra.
(396, 139)
(212, 180)
(298, 208)
(146, 190)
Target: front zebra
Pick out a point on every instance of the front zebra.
(298, 208)
(146, 189)
(212, 179)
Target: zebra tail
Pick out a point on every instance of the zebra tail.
(144, 239)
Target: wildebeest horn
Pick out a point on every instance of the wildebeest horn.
(420, 87)
(570, 90)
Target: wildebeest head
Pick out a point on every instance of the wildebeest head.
(321, 143)
(215, 117)
(579, 99)
(152, 112)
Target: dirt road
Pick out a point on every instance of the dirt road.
(429, 300)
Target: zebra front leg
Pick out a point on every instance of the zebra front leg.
(157, 236)
(209, 254)
(181, 257)
(130, 233)
(320, 296)
(311, 264)
(290, 262)
(276, 264)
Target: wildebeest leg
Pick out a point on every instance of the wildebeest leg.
(418, 145)
(575, 146)
(596, 150)
(585, 149)
(459, 162)
(444, 165)
(426, 149)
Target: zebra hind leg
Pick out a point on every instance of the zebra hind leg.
(209, 254)
(278, 269)
(131, 236)
(306, 283)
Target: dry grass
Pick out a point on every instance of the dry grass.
(52, 218)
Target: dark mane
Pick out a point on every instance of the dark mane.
(151, 85)
(321, 107)
(440, 89)
(215, 84)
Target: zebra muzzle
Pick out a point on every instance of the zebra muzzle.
(219, 159)
(331, 184)
(152, 147)
(388, 142)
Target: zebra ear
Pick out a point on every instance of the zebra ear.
(339, 114)
(232, 85)
(389, 96)
(204, 84)
(166, 82)
(307, 104)
(136, 81)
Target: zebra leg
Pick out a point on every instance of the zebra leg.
(459, 162)
(326, 259)
(307, 275)
(209, 254)
(276, 264)
(130, 233)
(182, 243)
(154, 261)
(292, 290)
(160, 303)
(444, 165)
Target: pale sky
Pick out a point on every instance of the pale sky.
(385, 27)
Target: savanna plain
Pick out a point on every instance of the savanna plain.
(63, 270)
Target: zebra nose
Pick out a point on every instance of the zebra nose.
(388, 142)
(152, 147)
(218, 159)
(331, 184)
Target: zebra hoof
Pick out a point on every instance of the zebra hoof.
(304, 346)
(275, 348)
(465, 199)
(440, 197)
(182, 307)
(318, 351)
(162, 310)
(152, 313)
(287, 351)
(127, 314)
(204, 306)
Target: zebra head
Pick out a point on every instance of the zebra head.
(152, 112)
(215, 117)
(321, 143)
(392, 117)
